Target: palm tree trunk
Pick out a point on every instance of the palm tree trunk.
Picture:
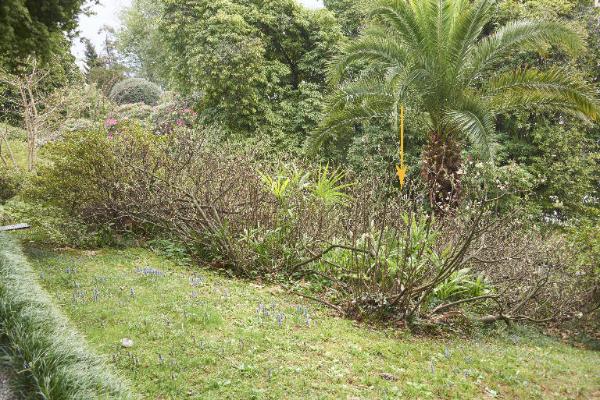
(440, 169)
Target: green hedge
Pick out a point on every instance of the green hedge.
(135, 90)
(52, 359)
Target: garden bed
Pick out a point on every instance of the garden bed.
(192, 333)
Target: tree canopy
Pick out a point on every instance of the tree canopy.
(32, 27)
(256, 64)
(436, 57)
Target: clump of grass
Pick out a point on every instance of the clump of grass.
(52, 361)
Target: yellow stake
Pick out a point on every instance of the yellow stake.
(401, 169)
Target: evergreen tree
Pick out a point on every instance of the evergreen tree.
(34, 27)
(91, 59)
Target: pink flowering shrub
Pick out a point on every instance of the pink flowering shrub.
(111, 126)
(110, 123)
(169, 116)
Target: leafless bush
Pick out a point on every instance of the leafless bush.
(375, 253)
(214, 201)
(396, 255)
(533, 275)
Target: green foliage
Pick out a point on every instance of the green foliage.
(135, 112)
(511, 183)
(135, 90)
(53, 361)
(10, 183)
(350, 14)
(172, 113)
(555, 149)
(76, 106)
(73, 175)
(586, 238)
(106, 77)
(77, 124)
(288, 182)
(564, 163)
(537, 9)
(92, 170)
(34, 27)
(442, 63)
(13, 132)
(461, 285)
(91, 58)
(171, 250)
(141, 41)
(58, 70)
(259, 65)
(330, 187)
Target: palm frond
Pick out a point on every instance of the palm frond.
(372, 47)
(354, 103)
(467, 27)
(399, 16)
(476, 123)
(555, 89)
(516, 36)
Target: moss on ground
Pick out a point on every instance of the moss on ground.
(199, 335)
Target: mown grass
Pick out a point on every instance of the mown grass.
(200, 335)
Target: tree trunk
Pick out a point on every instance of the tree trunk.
(34, 120)
(441, 165)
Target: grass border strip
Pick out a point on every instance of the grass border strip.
(51, 358)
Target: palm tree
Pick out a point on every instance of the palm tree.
(435, 57)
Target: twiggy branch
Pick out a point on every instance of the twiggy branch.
(446, 306)
(327, 250)
(324, 302)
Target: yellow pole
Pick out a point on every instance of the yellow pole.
(401, 169)
(402, 135)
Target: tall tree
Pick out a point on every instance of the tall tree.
(29, 27)
(91, 58)
(104, 70)
(350, 14)
(260, 65)
(141, 41)
(435, 56)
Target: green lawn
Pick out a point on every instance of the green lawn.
(200, 335)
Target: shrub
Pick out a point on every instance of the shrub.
(170, 115)
(373, 253)
(49, 225)
(136, 112)
(71, 180)
(87, 175)
(53, 360)
(76, 125)
(534, 274)
(135, 90)
(10, 183)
